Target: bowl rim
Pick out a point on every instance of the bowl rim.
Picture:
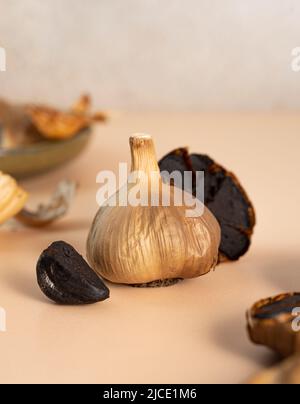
(43, 145)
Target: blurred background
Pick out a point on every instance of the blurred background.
(152, 54)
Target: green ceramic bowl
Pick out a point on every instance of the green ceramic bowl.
(41, 157)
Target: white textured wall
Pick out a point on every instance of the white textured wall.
(152, 54)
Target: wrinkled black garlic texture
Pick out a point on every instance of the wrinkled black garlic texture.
(66, 278)
(224, 197)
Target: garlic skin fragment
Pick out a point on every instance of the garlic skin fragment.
(57, 207)
(142, 244)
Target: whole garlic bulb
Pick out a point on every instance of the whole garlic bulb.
(142, 244)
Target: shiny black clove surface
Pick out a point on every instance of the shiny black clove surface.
(224, 197)
(66, 278)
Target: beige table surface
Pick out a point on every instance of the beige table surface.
(193, 332)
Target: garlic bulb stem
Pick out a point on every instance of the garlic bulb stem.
(143, 155)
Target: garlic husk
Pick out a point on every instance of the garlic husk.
(142, 244)
(12, 198)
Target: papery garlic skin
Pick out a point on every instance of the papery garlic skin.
(136, 245)
(12, 198)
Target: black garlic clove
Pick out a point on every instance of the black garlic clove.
(66, 278)
(273, 323)
(224, 197)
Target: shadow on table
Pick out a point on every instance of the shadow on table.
(279, 271)
(24, 284)
(225, 334)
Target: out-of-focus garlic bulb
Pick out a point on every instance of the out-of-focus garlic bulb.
(141, 244)
(12, 198)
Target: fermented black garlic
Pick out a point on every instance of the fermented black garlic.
(224, 197)
(273, 322)
(66, 278)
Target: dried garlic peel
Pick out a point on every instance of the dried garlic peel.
(53, 124)
(12, 198)
(83, 105)
(57, 207)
